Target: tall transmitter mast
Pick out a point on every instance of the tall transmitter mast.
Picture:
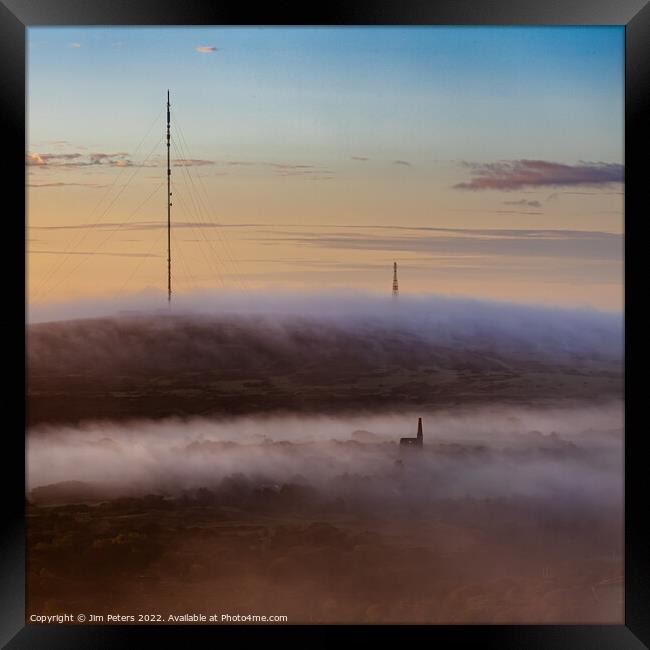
(169, 215)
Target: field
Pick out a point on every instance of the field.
(289, 552)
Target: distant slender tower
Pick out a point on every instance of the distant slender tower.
(395, 287)
(418, 441)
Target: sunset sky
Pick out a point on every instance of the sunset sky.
(488, 162)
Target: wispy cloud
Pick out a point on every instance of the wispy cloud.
(556, 195)
(305, 171)
(585, 245)
(191, 162)
(517, 174)
(284, 166)
(93, 253)
(75, 46)
(145, 225)
(525, 203)
(72, 160)
(206, 49)
(419, 240)
(406, 163)
(35, 159)
(41, 159)
(54, 143)
(61, 184)
(359, 158)
(100, 158)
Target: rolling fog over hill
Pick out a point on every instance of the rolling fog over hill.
(306, 357)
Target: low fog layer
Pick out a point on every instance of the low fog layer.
(570, 456)
(439, 318)
(318, 356)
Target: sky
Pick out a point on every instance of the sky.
(486, 161)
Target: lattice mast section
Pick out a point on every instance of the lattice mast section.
(169, 214)
(395, 285)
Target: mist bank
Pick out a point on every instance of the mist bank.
(316, 357)
(437, 319)
(410, 312)
(570, 454)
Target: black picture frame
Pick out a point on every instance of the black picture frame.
(17, 15)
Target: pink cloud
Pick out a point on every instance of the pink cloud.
(34, 159)
(517, 174)
(40, 159)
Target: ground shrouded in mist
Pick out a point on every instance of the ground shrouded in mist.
(493, 521)
(203, 463)
(469, 453)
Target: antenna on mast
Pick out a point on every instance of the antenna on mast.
(169, 215)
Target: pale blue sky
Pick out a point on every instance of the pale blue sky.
(418, 93)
